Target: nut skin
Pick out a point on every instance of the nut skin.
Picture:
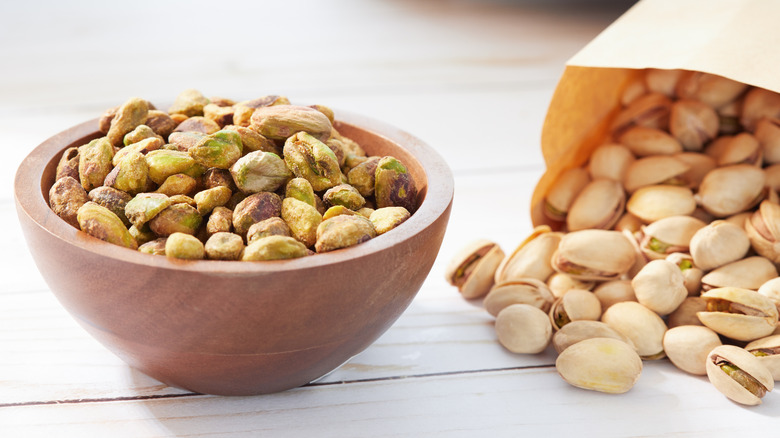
(522, 328)
(66, 197)
(189, 102)
(68, 164)
(643, 326)
(767, 350)
(273, 226)
(717, 244)
(302, 219)
(594, 255)
(362, 176)
(113, 199)
(521, 291)
(344, 195)
(748, 364)
(741, 314)
(164, 163)
(394, 185)
(255, 208)
(343, 231)
(274, 248)
(472, 269)
(224, 246)
(100, 222)
(600, 364)
(220, 220)
(218, 177)
(209, 199)
(145, 206)
(279, 122)
(387, 218)
(577, 331)
(687, 347)
(660, 286)
(160, 122)
(177, 218)
(129, 116)
(311, 159)
(184, 246)
(220, 149)
(95, 162)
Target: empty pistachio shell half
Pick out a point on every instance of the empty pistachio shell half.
(574, 305)
(520, 291)
(747, 273)
(531, 258)
(600, 364)
(594, 255)
(522, 328)
(473, 268)
(687, 347)
(599, 205)
(660, 287)
(564, 191)
(740, 314)
(577, 331)
(610, 161)
(731, 189)
(717, 244)
(669, 235)
(767, 350)
(643, 326)
(738, 375)
(652, 203)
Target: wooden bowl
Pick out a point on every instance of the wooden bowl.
(238, 328)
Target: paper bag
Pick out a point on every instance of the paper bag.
(737, 39)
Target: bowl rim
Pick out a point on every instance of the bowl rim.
(29, 187)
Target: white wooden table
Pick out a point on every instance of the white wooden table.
(471, 78)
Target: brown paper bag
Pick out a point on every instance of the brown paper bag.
(737, 39)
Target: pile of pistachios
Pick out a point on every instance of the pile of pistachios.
(213, 178)
(665, 244)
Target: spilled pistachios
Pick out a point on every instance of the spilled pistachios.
(224, 180)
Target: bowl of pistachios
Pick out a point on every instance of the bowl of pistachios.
(234, 247)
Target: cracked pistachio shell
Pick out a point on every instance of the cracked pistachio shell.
(472, 270)
(643, 141)
(600, 364)
(767, 350)
(648, 171)
(102, 223)
(95, 162)
(583, 329)
(129, 116)
(274, 248)
(113, 199)
(362, 176)
(207, 200)
(255, 208)
(521, 291)
(652, 203)
(560, 283)
(650, 110)
(752, 380)
(717, 244)
(610, 161)
(693, 123)
(713, 90)
(344, 195)
(771, 290)
(68, 164)
(164, 163)
(224, 246)
(742, 148)
(687, 347)
(184, 246)
(66, 197)
(220, 149)
(154, 247)
(758, 104)
(531, 258)
(686, 313)
(343, 231)
(220, 220)
(699, 165)
(130, 175)
(260, 172)
(669, 235)
(303, 220)
(660, 287)
(615, 291)
(311, 159)
(691, 273)
(748, 273)
(731, 189)
(768, 135)
(564, 191)
(387, 218)
(643, 326)
(282, 121)
(599, 205)
(189, 102)
(394, 185)
(740, 314)
(145, 206)
(574, 305)
(594, 255)
(763, 230)
(177, 218)
(522, 328)
(273, 226)
(178, 184)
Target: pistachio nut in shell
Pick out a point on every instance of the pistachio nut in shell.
(741, 314)
(693, 123)
(260, 171)
(759, 103)
(560, 283)
(643, 141)
(691, 273)
(651, 110)
(522, 328)
(309, 158)
(771, 290)
(659, 169)
(747, 273)
(669, 235)
(659, 286)
(686, 313)
(610, 161)
(687, 347)
(394, 185)
(632, 91)
(520, 291)
(343, 231)
(563, 191)
(532, 257)
(628, 222)
(699, 165)
(652, 203)
(600, 364)
(717, 244)
(662, 80)
(574, 305)
(184, 246)
(66, 196)
(473, 268)
(599, 205)
(738, 375)
(580, 330)
(643, 326)
(731, 189)
(615, 291)
(594, 255)
(713, 90)
(100, 222)
(768, 135)
(742, 148)
(763, 230)
(767, 350)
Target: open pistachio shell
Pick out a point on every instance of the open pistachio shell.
(652, 203)
(713, 90)
(473, 269)
(687, 347)
(594, 255)
(763, 230)
(531, 258)
(651, 110)
(660, 287)
(731, 189)
(574, 305)
(717, 244)
(520, 291)
(743, 148)
(600, 364)
(669, 235)
(693, 123)
(599, 205)
(767, 350)
(564, 190)
(660, 169)
(610, 161)
(758, 104)
(643, 326)
(740, 314)
(748, 273)
(583, 329)
(691, 273)
(738, 374)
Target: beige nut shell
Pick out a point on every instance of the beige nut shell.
(599, 250)
(480, 279)
(771, 362)
(687, 347)
(577, 331)
(748, 273)
(577, 304)
(740, 326)
(523, 291)
(531, 258)
(522, 328)
(747, 363)
(643, 326)
(660, 286)
(600, 364)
